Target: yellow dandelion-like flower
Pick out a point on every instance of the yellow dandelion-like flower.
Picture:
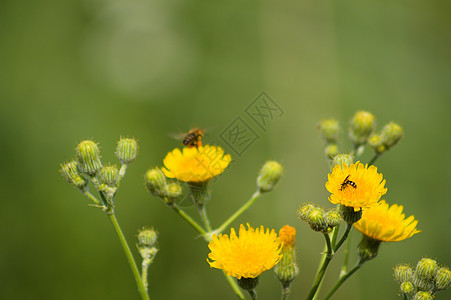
(387, 224)
(249, 255)
(196, 164)
(356, 186)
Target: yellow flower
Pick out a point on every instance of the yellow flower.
(387, 224)
(196, 164)
(356, 186)
(248, 255)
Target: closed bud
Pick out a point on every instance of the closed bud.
(403, 273)
(331, 150)
(147, 237)
(426, 269)
(329, 130)
(333, 218)
(126, 150)
(341, 159)
(443, 278)
(269, 176)
(172, 191)
(156, 182)
(88, 155)
(368, 248)
(304, 211)
(424, 274)
(70, 173)
(375, 141)
(362, 124)
(349, 215)
(422, 295)
(108, 175)
(407, 287)
(317, 220)
(286, 270)
(391, 134)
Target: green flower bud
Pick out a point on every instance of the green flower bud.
(333, 218)
(362, 124)
(341, 159)
(421, 295)
(443, 278)
(172, 191)
(391, 134)
(368, 248)
(108, 175)
(403, 273)
(126, 150)
(426, 268)
(424, 274)
(269, 176)
(147, 237)
(331, 150)
(349, 215)
(407, 287)
(317, 219)
(248, 284)
(304, 211)
(375, 141)
(70, 173)
(88, 155)
(329, 130)
(156, 182)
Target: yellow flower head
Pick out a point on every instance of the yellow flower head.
(196, 164)
(356, 186)
(287, 236)
(248, 255)
(387, 224)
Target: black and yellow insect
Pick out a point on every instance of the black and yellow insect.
(193, 138)
(347, 182)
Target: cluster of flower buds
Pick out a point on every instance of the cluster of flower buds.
(88, 167)
(158, 185)
(361, 132)
(424, 281)
(319, 219)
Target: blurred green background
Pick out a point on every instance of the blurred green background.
(99, 69)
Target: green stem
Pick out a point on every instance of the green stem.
(121, 173)
(144, 268)
(373, 160)
(253, 294)
(189, 220)
(285, 292)
(234, 286)
(323, 257)
(335, 235)
(238, 212)
(343, 279)
(346, 258)
(322, 270)
(344, 237)
(92, 198)
(128, 253)
(203, 215)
